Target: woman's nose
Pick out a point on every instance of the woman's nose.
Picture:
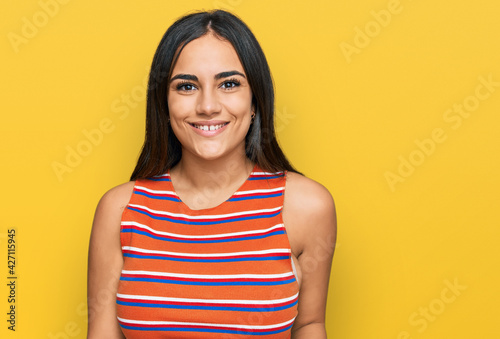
(208, 102)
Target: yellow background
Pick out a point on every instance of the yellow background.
(346, 119)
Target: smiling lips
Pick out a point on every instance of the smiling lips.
(209, 128)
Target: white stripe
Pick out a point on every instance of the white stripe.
(208, 301)
(155, 191)
(197, 255)
(207, 216)
(266, 173)
(162, 175)
(260, 191)
(250, 327)
(133, 223)
(210, 276)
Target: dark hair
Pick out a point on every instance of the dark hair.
(162, 150)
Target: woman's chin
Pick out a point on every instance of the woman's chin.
(210, 154)
(212, 150)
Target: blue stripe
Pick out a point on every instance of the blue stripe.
(263, 196)
(267, 177)
(159, 179)
(211, 308)
(142, 256)
(211, 283)
(186, 222)
(156, 197)
(166, 238)
(214, 330)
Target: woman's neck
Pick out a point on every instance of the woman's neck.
(211, 181)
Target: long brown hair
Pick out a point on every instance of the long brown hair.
(162, 150)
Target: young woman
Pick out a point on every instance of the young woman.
(216, 235)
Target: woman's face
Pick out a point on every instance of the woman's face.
(209, 99)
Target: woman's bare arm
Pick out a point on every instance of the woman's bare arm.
(310, 219)
(105, 264)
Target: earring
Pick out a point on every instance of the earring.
(253, 116)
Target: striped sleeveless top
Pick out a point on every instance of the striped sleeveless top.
(221, 272)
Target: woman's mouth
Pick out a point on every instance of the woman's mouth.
(209, 127)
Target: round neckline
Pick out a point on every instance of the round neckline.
(254, 169)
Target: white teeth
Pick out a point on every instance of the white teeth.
(209, 128)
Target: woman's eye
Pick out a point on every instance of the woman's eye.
(230, 84)
(185, 87)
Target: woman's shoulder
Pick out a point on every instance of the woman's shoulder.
(309, 208)
(118, 195)
(112, 203)
(308, 195)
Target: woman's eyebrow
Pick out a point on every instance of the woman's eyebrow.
(227, 74)
(184, 77)
(218, 76)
